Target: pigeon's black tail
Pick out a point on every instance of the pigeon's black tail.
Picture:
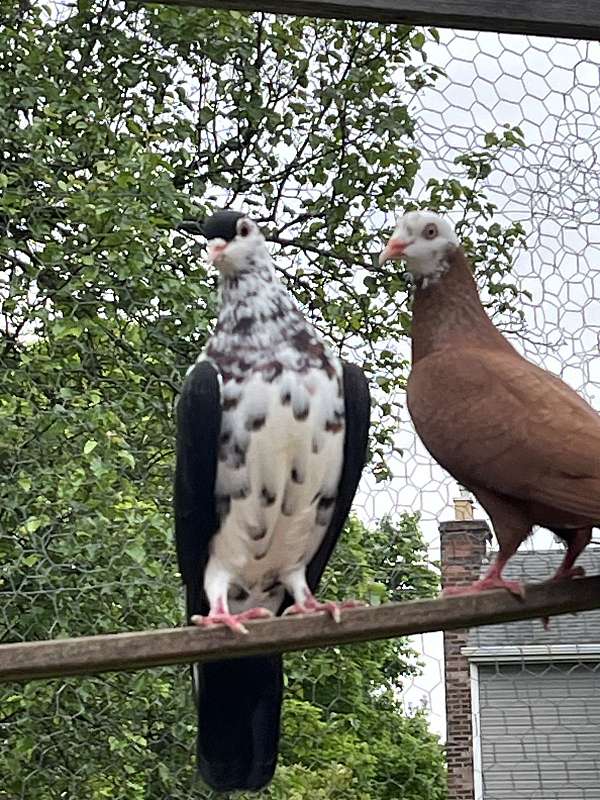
(239, 706)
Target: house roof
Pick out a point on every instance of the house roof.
(570, 629)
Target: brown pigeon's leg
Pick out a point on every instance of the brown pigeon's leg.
(493, 577)
(512, 527)
(491, 580)
(576, 541)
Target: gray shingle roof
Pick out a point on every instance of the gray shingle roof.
(532, 567)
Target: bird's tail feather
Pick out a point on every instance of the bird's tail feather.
(239, 707)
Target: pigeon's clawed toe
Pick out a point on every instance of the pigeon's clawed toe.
(572, 572)
(486, 585)
(331, 607)
(231, 621)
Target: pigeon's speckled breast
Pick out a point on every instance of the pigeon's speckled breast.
(281, 442)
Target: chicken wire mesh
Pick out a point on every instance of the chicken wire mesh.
(132, 736)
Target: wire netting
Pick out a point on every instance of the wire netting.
(87, 546)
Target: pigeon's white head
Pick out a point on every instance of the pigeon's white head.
(234, 241)
(422, 240)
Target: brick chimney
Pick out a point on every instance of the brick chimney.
(463, 548)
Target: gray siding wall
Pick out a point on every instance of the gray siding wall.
(540, 731)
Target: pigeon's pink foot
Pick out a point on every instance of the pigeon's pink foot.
(485, 585)
(312, 606)
(232, 621)
(566, 572)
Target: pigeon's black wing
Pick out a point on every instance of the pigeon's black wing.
(239, 702)
(196, 522)
(357, 402)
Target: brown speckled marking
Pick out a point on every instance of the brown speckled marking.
(305, 341)
(323, 507)
(333, 427)
(256, 534)
(326, 502)
(255, 423)
(244, 326)
(237, 457)
(266, 497)
(271, 370)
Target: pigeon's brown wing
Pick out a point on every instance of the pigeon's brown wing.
(494, 420)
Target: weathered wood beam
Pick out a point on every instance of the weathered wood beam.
(571, 19)
(126, 651)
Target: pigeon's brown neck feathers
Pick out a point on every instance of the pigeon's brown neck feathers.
(448, 312)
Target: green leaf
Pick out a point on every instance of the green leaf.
(418, 40)
(89, 446)
(136, 552)
(33, 523)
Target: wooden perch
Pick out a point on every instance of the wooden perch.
(574, 19)
(126, 651)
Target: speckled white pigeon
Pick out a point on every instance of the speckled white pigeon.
(272, 437)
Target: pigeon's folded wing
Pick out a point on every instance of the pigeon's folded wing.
(198, 426)
(494, 420)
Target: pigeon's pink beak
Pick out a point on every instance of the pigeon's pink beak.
(216, 248)
(394, 249)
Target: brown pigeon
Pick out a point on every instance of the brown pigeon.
(523, 442)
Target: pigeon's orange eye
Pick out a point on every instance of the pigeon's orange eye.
(244, 229)
(430, 231)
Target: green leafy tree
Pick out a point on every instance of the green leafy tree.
(120, 126)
